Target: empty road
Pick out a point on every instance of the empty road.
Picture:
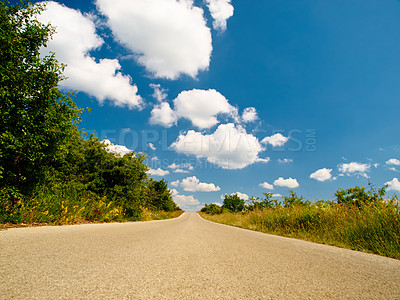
(184, 258)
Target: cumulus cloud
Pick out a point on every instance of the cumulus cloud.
(393, 162)
(276, 195)
(230, 146)
(151, 146)
(75, 37)
(193, 184)
(200, 107)
(249, 115)
(168, 37)
(221, 11)
(187, 203)
(393, 185)
(266, 185)
(276, 140)
(159, 93)
(162, 114)
(322, 174)
(290, 182)
(354, 168)
(157, 172)
(116, 149)
(241, 195)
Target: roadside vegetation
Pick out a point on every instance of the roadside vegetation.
(358, 218)
(50, 171)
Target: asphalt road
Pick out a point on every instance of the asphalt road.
(184, 258)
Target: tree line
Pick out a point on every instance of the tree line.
(50, 170)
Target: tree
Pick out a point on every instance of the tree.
(294, 200)
(36, 117)
(233, 203)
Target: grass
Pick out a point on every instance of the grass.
(69, 204)
(373, 228)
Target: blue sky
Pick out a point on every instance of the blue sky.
(240, 96)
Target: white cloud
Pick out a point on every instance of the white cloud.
(266, 185)
(175, 183)
(117, 149)
(217, 203)
(354, 168)
(159, 93)
(162, 114)
(241, 195)
(276, 195)
(187, 203)
(181, 171)
(393, 185)
(168, 37)
(174, 192)
(249, 115)
(285, 161)
(193, 184)
(158, 172)
(229, 146)
(201, 107)
(393, 161)
(276, 140)
(75, 37)
(151, 146)
(322, 174)
(290, 182)
(181, 168)
(221, 11)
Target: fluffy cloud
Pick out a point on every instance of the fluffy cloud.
(393, 162)
(241, 195)
(393, 185)
(290, 182)
(322, 174)
(151, 146)
(266, 185)
(159, 93)
(162, 114)
(229, 146)
(221, 10)
(158, 172)
(117, 149)
(276, 140)
(74, 39)
(276, 195)
(354, 168)
(187, 203)
(193, 184)
(200, 107)
(249, 115)
(168, 37)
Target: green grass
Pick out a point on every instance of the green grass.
(373, 228)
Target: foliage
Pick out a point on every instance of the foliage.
(372, 224)
(267, 202)
(49, 171)
(212, 209)
(36, 118)
(358, 196)
(294, 200)
(233, 203)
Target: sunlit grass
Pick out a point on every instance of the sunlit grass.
(372, 227)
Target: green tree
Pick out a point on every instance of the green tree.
(36, 117)
(294, 200)
(358, 195)
(233, 203)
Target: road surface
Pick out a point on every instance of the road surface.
(184, 258)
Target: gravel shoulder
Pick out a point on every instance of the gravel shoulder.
(188, 258)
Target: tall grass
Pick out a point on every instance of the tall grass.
(68, 203)
(373, 227)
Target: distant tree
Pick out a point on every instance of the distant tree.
(358, 195)
(234, 203)
(293, 200)
(36, 117)
(212, 209)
